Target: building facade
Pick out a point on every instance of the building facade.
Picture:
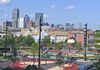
(15, 17)
(77, 35)
(26, 21)
(37, 19)
(8, 24)
(21, 23)
(90, 38)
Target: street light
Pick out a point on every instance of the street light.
(39, 64)
(6, 40)
(85, 41)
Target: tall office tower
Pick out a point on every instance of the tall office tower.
(37, 19)
(15, 16)
(26, 21)
(21, 23)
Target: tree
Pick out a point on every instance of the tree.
(57, 45)
(64, 44)
(1, 42)
(19, 39)
(97, 39)
(78, 46)
(28, 40)
(9, 41)
(34, 48)
(46, 41)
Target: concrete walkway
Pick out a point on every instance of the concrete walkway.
(55, 68)
(48, 65)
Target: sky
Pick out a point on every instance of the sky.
(56, 11)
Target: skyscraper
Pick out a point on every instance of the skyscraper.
(37, 18)
(26, 21)
(21, 23)
(15, 16)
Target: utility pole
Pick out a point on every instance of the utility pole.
(39, 64)
(6, 40)
(85, 41)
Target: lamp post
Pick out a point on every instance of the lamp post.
(39, 64)
(6, 40)
(85, 41)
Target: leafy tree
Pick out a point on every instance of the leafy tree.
(9, 40)
(46, 41)
(1, 42)
(78, 46)
(28, 40)
(57, 45)
(19, 39)
(34, 48)
(97, 38)
(64, 44)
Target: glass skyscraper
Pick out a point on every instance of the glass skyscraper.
(37, 18)
(15, 17)
(26, 21)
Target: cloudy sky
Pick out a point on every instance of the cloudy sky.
(56, 11)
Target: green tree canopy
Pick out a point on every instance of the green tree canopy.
(28, 40)
(78, 46)
(57, 45)
(46, 41)
(97, 39)
(19, 39)
(9, 40)
(34, 47)
(1, 42)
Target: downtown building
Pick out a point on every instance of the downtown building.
(26, 21)
(21, 23)
(7, 24)
(15, 17)
(78, 35)
(37, 19)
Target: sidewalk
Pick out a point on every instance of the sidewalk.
(48, 65)
(55, 68)
(65, 67)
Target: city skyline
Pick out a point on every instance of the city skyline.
(55, 12)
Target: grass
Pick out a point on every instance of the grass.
(30, 52)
